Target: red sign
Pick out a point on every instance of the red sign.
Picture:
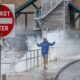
(6, 20)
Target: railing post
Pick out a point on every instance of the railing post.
(26, 62)
(30, 60)
(26, 21)
(34, 59)
(3, 76)
(37, 58)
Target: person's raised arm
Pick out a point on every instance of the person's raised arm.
(38, 44)
(51, 44)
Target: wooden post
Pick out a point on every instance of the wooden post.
(72, 17)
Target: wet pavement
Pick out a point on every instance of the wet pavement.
(67, 49)
(49, 74)
(72, 72)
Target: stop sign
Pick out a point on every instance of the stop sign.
(6, 20)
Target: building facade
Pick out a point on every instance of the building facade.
(29, 24)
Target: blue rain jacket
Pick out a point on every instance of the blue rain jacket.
(45, 46)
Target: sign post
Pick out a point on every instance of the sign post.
(0, 61)
(7, 20)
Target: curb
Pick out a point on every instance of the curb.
(65, 67)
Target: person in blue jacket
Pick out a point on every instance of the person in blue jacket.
(44, 50)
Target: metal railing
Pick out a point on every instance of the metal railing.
(33, 58)
(47, 7)
(30, 60)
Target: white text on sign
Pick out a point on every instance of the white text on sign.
(4, 13)
(4, 28)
